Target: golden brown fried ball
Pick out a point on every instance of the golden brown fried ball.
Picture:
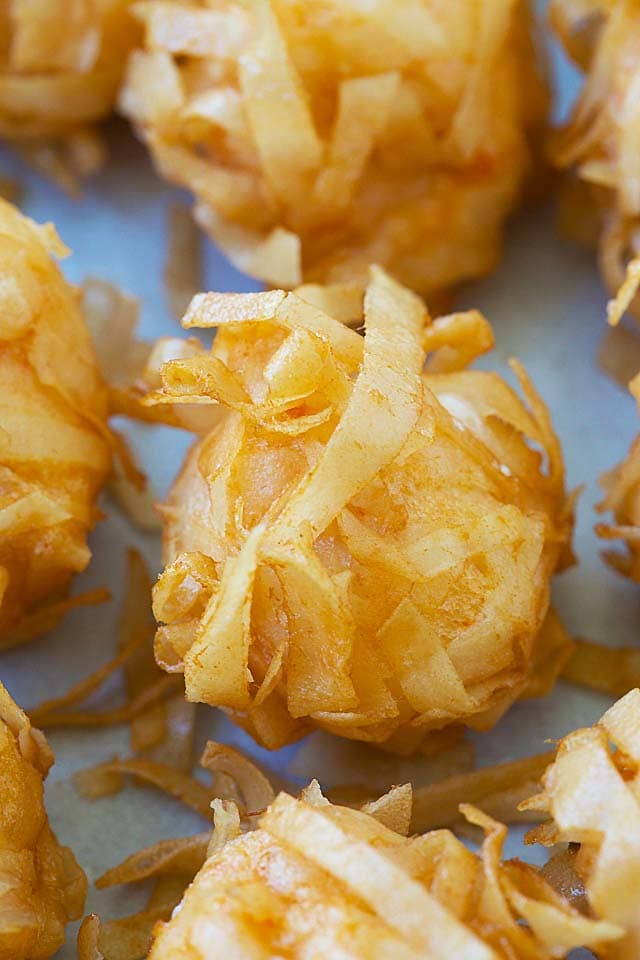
(54, 443)
(319, 136)
(354, 545)
(61, 63)
(42, 887)
(599, 143)
(318, 880)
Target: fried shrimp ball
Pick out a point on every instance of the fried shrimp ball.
(599, 142)
(318, 880)
(61, 63)
(592, 795)
(354, 545)
(42, 887)
(319, 136)
(54, 443)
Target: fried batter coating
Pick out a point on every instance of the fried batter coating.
(599, 143)
(61, 63)
(592, 794)
(317, 880)
(319, 136)
(357, 546)
(42, 887)
(54, 446)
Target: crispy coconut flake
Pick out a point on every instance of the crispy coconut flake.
(161, 723)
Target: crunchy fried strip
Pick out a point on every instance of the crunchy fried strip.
(177, 784)
(183, 263)
(182, 855)
(37, 623)
(104, 718)
(613, 670)
(257, 792)
(437, 805)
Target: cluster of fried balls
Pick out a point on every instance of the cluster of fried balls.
(363, 536)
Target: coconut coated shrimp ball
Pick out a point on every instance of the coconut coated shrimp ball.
(357, 544)
(319, 137)
(54, 442)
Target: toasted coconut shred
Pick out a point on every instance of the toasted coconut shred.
(55, 448)
(42, 887)
(591, 794)
(61, 63)
(161, 722)
(355, 546)
(318, 137)
(599, 144)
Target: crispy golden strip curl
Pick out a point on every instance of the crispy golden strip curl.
(184, 855)
(48, 616)
(612, 670)
(161, 724)
(128, 938)
(256, 792)
(171, 781)
(496, 789)
(619, 354)
(84, 688)
(318, 137)
(591, 794)
(172, 863)
(153, 694)
(252, 790)
(130, 366)
(55, 446)
(313, 531)
(183, 264)
(42, 887)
